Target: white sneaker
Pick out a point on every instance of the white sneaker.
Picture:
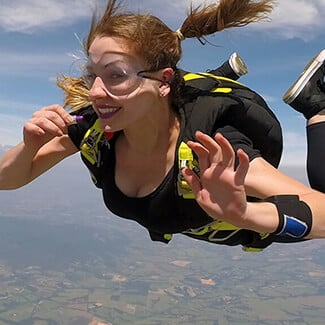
(307, 93)
(238, 65)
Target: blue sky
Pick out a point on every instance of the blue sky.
(39, 40)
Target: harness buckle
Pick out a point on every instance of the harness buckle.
(185, 159)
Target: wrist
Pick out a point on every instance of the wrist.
(28, 150)
(261, 217)
(295, 216)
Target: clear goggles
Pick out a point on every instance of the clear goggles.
(119, 76)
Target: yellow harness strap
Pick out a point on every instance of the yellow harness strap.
(185, 159)
(89, 145)
(203, 75)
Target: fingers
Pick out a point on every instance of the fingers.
(46, 124)
(212, 151)
(218, 151)
(242, 168)
(192, 180)
(228, 155)
(220, 188)
(59, 110)
(211, 146)
(51, 119)
(202, 154)
(55, 113)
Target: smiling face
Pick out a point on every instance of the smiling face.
(121, 44)
(119, 94)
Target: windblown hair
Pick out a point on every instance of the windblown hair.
(223, 15)
(156, 43)
(77, 93)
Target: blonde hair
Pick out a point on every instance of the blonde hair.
(155, 42)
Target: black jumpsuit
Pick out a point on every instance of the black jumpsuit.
(164, 212)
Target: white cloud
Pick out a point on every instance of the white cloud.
(30, 15)
(297, 18)
(291, 18)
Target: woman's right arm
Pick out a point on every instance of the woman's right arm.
(45, 144)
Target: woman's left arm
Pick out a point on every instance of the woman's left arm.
(221, 191)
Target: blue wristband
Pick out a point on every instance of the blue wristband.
(295, 216)
(293, 227)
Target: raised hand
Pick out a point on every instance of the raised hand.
(45, 124)
(219, 189)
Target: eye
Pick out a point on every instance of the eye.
(89, 79)
(116, 76)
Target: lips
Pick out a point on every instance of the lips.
(105, 111)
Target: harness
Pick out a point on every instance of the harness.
(203, 84)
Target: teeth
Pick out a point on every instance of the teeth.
(108, 110)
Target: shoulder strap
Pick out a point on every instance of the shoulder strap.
(91, 148)
(210, 82)
(90, 143)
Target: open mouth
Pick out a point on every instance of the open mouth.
(107, 111)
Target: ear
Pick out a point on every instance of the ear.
(167, 77)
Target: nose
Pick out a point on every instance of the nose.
(98, 89)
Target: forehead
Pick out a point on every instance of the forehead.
(111, 48)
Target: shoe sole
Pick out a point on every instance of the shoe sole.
(238, 65)
(313, 65)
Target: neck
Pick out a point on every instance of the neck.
(153, 135)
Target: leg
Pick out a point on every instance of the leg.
(307, 95)
(233, 68)
(316, 156)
